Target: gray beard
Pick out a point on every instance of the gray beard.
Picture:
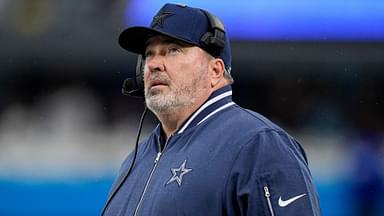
(175, 98)
(159, 102)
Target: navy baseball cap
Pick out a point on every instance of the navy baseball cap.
(190, 25)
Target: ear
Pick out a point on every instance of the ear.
(216, 71)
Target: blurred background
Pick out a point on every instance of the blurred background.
(314, 67)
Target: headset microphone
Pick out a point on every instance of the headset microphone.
(135, 86)
(130, 88)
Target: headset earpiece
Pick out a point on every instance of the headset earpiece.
(214, 40)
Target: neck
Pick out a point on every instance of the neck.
(173, 119)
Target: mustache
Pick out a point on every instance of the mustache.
(157, 78)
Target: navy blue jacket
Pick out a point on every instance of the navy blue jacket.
(224, 160)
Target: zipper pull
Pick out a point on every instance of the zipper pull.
(267, 194)
(158, 157)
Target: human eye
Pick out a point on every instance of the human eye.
(172, 49)
(147, 54)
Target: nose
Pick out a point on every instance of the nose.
(155, 63)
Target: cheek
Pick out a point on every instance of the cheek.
(182, 74)
(145, 77)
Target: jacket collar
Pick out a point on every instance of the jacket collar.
(217, 101)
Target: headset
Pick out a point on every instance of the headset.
(213, 41)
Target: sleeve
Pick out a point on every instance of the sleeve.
(270, 176)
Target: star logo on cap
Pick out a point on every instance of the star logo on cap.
(178, 173)
(159, 19)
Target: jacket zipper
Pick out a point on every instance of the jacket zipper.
(268, 196)
(150, 176)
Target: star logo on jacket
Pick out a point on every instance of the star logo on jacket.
(178, 173)
(159, 19)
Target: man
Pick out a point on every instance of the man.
(207, 156)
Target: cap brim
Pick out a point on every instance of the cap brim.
(134, 38)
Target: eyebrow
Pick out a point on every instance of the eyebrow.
(171, 41)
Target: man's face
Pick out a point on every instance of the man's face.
(175, 74)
